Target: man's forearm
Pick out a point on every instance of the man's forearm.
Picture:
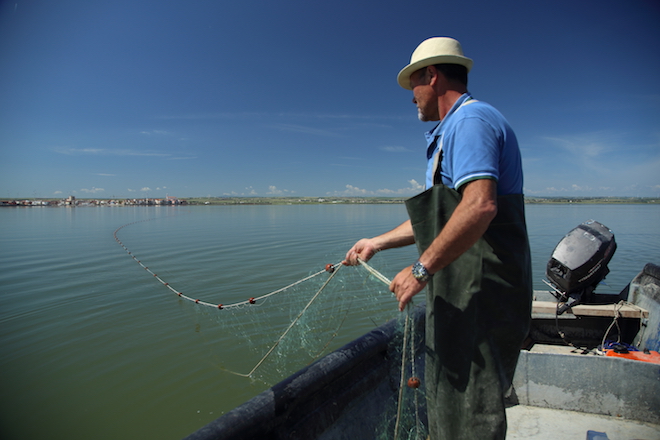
(467, 224)
(366, 248)
(400, 236)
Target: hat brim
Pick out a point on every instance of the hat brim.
(403, 78)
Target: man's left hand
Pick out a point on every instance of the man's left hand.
(405, 286)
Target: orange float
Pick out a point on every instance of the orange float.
(413, 382)
(644, 356)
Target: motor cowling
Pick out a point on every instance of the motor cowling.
(579, 262)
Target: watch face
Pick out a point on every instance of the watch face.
(420, 272)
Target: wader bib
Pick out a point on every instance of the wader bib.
(478, 313)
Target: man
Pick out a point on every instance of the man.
(470, 229)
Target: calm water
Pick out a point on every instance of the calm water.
(94, 347)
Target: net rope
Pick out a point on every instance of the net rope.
(252, 300)
(407, 328)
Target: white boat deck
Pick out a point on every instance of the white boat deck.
(532, 423)
(537, 423)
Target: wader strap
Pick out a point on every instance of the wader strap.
(437, 164)
(437, 161)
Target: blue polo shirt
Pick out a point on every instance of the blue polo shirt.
(477, 143)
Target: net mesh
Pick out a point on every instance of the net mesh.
(283, 330)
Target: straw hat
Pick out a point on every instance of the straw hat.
(435, 50)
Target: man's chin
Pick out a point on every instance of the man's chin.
(424, 118)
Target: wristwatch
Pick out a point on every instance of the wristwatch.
(420, 273)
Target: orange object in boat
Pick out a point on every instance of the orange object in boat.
(645, 356)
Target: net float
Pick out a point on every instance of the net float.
(414, 382)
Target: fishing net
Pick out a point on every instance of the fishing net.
(288, 330)
(265, 335)
(405, 418)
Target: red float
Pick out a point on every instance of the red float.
(414, 382)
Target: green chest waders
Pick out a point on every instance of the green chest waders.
(477, 316)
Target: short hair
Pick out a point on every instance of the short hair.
(454, 72)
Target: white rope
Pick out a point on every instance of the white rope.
(406, 335)
(615, 321)
(329, 268)
(402, 378)
(374, 272)
(413, 371)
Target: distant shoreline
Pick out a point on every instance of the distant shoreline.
(36, 202)
(595, 200)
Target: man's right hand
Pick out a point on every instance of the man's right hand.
(363, 249)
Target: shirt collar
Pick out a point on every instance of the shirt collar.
(459, 102)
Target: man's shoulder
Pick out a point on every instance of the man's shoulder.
(479, 113)
(474, 107)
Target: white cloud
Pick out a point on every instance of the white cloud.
(74, 151)
(395, 149)
(249, 192)
(272, 190)
(181, 158)
(145, 189)
(157, 132)
(591, 145)
(600, 163)
(412, 189)
(108, 152)
(251, 116)
(93, 190)
(302, 129)
(354, 191)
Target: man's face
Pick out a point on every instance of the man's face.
(424, 96)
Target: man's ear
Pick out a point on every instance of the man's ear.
(433, 74)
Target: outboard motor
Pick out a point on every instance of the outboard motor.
(579, 263)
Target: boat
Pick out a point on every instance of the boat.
(589, 369)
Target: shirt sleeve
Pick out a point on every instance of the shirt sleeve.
(475, 153)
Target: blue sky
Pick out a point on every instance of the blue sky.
(216, 98)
